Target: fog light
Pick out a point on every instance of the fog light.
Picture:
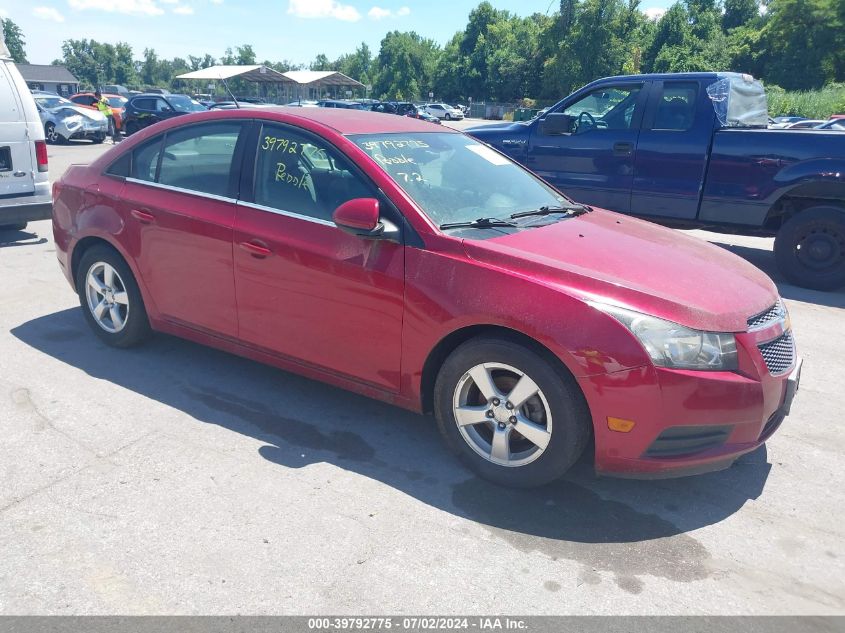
(620, 425)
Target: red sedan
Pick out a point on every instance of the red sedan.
(417, 266)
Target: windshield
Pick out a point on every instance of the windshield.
(52, 102)
(454, 178)
(181, 103)
(117, 102)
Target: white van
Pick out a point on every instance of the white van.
(24, 185)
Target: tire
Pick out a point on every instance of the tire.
(98, 140)
(51, 135)
(130, 306)
(810, 248)
(448, 117)
(558, 404)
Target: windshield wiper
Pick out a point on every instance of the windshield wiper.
(569, 209)
(480, 223)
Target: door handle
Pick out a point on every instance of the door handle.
(142, 216)
(623, 149)
(256, 249)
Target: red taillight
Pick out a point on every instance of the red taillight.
(41, 155)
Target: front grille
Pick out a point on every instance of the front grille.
(779, 355)
(763, 319)
(686, 440)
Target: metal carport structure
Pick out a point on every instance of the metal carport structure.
(264, 76)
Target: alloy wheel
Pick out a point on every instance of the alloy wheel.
(107, 298)
(502, 414)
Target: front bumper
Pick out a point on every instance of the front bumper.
(685, 422)
(86, 130)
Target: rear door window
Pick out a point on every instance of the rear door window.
(146, 103)
(199, 157)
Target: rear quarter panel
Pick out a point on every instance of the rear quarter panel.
(750, 170)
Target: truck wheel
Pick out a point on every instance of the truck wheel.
(509, 414)
(110, 298)
(810, 248)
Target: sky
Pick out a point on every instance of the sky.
(296, 30)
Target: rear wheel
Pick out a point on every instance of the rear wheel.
(509, 414)
(110, 298)
(97, 140)
(810, 248)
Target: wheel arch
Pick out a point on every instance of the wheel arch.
(449, 343)
(805, 195)
(86, 244)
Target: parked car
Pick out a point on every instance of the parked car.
(24, 184)
(780, 122)
(116, 103)
(145, 109)
(444, 111)
(655, 146)
(302, 103)
(806, 124)
(116, 89)
(347, 246)
(837, 125)
(346, 105)
(416, 113)
(64, 120)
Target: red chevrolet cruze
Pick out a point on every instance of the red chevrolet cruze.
(412, 264)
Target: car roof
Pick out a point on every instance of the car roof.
(340, 121)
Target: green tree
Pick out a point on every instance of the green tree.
(739, 13)
(405, 66)
(15, 41)
(802, 43)
(321, 62)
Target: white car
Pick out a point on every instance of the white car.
(64, 120)
(24, 185)
(444, 111)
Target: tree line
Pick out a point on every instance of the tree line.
(794, 44)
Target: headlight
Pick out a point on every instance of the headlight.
(675, 346)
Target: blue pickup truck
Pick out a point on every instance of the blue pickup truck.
(673, 149)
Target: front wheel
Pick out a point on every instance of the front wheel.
(810, 248)
(51, 135)
(448, 117)
(509, 414)
(110, 298)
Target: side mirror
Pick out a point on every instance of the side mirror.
(556, 124)
(359, 216)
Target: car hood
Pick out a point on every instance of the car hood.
(611, 258)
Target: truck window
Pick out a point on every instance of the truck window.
(676, 110)
(605, 109)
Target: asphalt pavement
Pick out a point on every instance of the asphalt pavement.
(176, 479)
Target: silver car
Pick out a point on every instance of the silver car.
(63, 120)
